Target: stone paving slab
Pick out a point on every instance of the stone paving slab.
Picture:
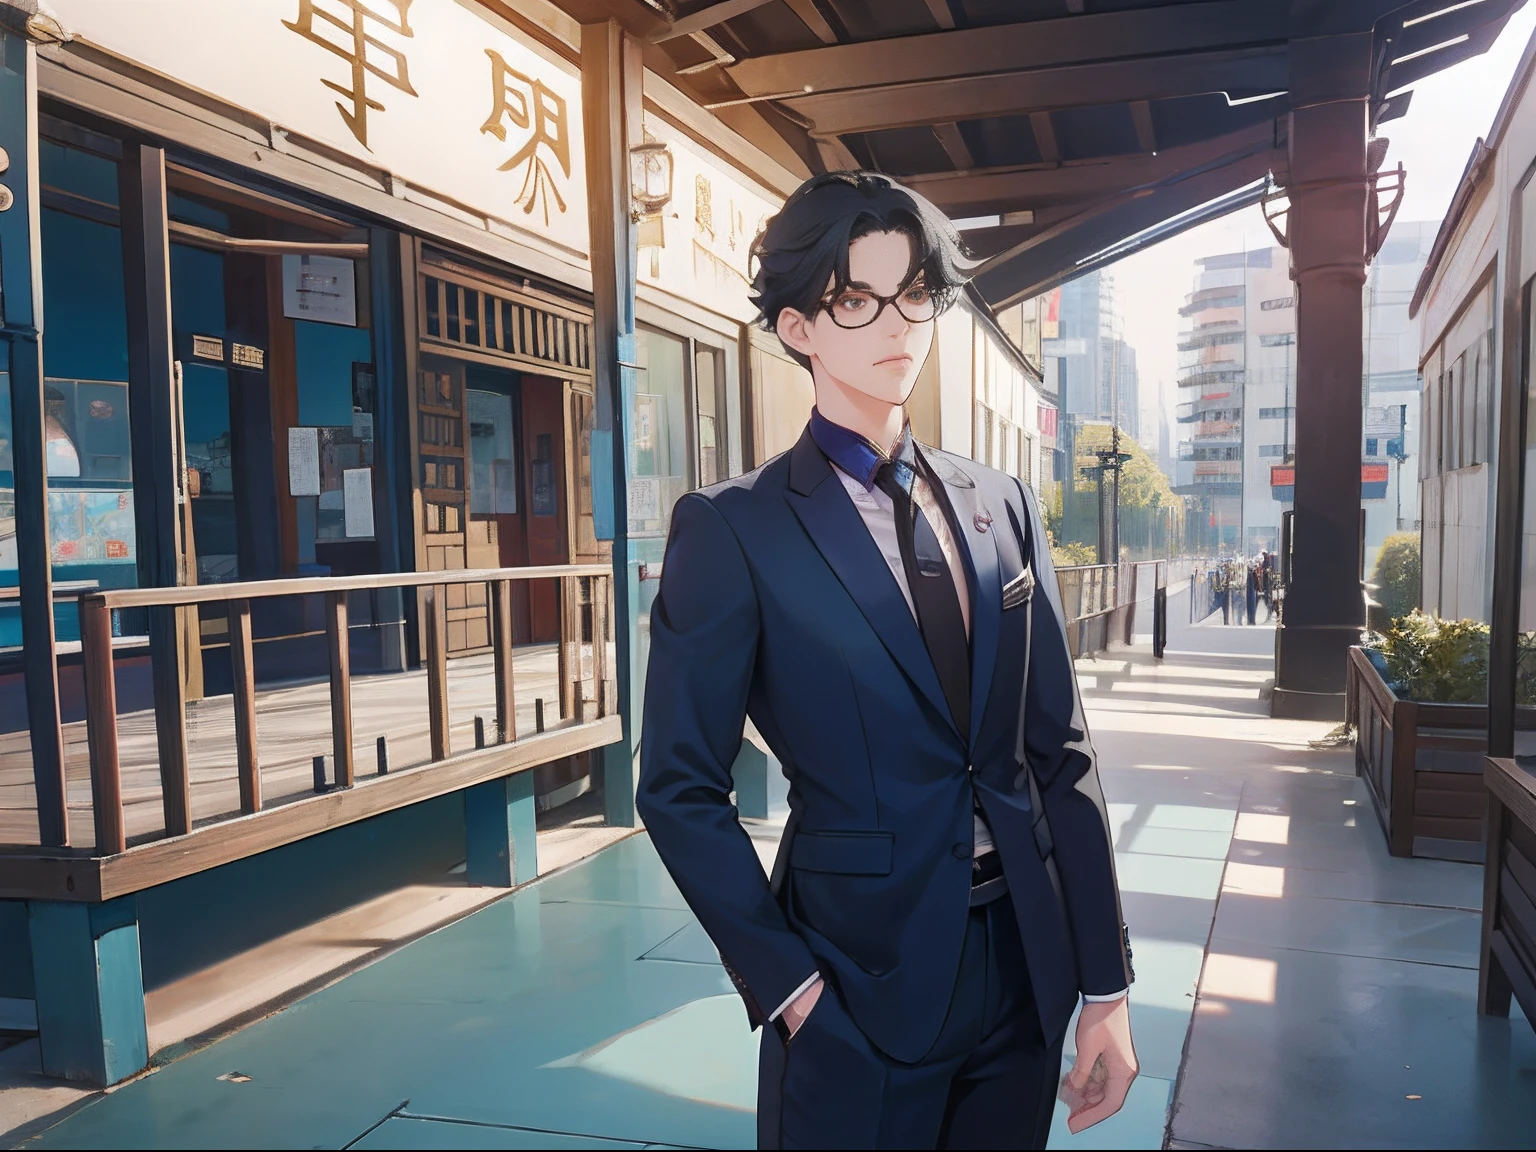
(589, 1010)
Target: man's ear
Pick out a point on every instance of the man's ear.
(795, 331)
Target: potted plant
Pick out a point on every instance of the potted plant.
(1417, 698)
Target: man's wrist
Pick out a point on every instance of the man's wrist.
(795, 995)
(1106, 998)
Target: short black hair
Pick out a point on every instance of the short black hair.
(806, 243)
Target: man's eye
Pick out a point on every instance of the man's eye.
(851, 302)
(918, 295)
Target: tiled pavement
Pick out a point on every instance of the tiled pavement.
(1335, 1007)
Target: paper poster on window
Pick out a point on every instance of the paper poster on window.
(321, 288)
(303, 462)
(357, 487)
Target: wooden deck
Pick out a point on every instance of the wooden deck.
(293, 726)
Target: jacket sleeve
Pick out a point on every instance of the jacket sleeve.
(1061, 755)
(704, 632)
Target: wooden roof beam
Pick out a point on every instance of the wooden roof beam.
(954, 145)
(1047, 258)
(705, 19)
(813, 18)
(942, 16)
(1021, 93)
(1045, 137)
(976, 192)
(1181, 28)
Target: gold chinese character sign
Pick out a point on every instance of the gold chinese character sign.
(527, 104)
(355, 31)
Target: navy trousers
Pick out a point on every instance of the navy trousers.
(989, 1081)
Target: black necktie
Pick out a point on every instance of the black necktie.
(933, 592)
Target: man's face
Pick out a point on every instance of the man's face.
(881, 359)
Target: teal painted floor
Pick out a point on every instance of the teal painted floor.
(1295, 984)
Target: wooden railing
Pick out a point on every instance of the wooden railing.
(162, 604)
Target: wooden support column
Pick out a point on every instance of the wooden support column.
(500, 832)
(156, 449)
(1324, 605)
(21, 366)
(611, 72)
(90, 989)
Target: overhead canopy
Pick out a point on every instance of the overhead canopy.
(1075, 129)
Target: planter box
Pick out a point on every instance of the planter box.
(1423, 765)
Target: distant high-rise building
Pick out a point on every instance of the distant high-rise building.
(1098, 368)
(1237, 381)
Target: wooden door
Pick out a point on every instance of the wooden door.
(545, 519)
(450, 541)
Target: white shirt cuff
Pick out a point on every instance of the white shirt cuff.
(1087, 999)
(795, 995)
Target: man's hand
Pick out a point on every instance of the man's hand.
(801, 1006)
(1105, 1065)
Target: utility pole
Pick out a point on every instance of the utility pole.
(1110, 460)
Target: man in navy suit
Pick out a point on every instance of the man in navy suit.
(887, 615)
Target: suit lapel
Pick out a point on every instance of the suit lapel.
(835, 527)
(979, 551)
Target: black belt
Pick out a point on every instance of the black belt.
(987, 879)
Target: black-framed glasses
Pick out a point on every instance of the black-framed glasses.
(859, 307)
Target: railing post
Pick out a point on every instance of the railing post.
(242, 666)
(569, 664)
(337, 639)
(168, 625)
(562, 651)
(501, 632)
(437, 673)
(101, 725)
(600, 592)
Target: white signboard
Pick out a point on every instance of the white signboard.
(441, 93)
(303, 462)
(357, 489)
(322, 288)
(708, 228)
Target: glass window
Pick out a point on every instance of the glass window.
(88, 457)
(492, 455)
(659, 435)
(709, 386)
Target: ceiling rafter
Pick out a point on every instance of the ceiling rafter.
(1038, 185)
(1043, 261)
(1178, 29)
(814, 19)
(954, 144)
(1020, 93)
(705, 19)
(942, 16)
(1045, 137)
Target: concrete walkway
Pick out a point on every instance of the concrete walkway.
(1296, 986)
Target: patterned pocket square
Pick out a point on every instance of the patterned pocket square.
(1018, 590)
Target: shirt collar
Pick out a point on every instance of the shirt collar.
(855, 454)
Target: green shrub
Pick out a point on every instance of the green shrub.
(1397, 578)
(1071, 555)
(1446, 661)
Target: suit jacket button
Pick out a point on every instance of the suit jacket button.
(961, 851)
(982, 521)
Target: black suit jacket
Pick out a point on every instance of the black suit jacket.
(776, 603)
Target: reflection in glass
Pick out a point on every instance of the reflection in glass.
(492, 455)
